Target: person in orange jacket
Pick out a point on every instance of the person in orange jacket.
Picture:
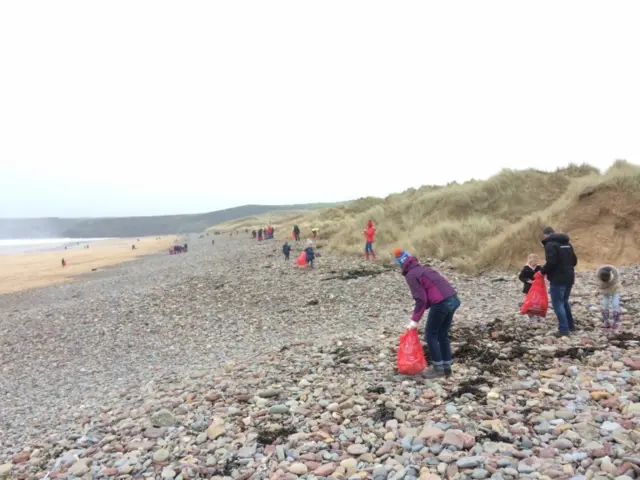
(369, 239)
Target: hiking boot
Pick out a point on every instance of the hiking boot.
(433, 372)
(447, 371)
(560, 334)
(616, 319)
(605, 325)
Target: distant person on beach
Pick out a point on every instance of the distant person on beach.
(310, 253)
(369, 239)
(133, 247)
(260, 235)
(254, 234)
(286, 250)
(64, 263)
(431, 291)
(213, 242)
(185, 248)
(559, 268)
(296, 233)
(526, 277)
(609, 286)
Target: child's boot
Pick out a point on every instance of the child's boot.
(366, 255)
(605, 319)
(373, 255)
(616, 319)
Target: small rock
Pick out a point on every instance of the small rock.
(80, 468)
(470, 462)
(161, 455)
(349, 463)
(432, 434)
(479, 473)
(566, 415)
(163, 418)
(451, 438)
(214, 431)
(357, 449)
(562, 444)
(269, 393)
(298, 468)
(5, 470)
(325, 470)
(279, 409)
(168, 473)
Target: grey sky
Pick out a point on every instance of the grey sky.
(152, 107)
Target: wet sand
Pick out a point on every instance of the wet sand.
(37, 269)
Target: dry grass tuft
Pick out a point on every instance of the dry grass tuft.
(493, 223)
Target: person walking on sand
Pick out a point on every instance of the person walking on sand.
(559, 268)
(609, 286)
(296, 233)
(64, 263)
(369, 239)
(431, 291)
(286, 250)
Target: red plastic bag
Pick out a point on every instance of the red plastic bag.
(302, 259)
(536, 302)
(411, 359)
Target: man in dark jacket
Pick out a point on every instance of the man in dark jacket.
(559, 269)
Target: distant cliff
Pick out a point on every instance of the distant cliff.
(133, 226)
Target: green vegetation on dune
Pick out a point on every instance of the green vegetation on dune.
(490, 223)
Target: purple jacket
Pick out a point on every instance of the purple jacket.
(427, 286)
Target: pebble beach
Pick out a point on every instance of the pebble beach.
(229, 362)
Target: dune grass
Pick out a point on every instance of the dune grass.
(479, 225)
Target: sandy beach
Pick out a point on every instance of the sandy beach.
(37, 269)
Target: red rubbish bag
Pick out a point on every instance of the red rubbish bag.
(302, 259)
(411, 359)
(536, 302)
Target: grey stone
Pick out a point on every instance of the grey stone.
(470, 462)
(163, 418)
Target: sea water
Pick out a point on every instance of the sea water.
(27, 245)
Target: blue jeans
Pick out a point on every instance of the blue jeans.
(560, 302)
(368, 247)
(436, 333)
(611, 300)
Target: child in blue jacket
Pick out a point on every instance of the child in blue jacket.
(286, 249)
(310, 253)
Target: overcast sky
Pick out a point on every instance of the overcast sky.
(152, 107)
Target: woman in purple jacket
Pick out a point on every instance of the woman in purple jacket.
(431, 291)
